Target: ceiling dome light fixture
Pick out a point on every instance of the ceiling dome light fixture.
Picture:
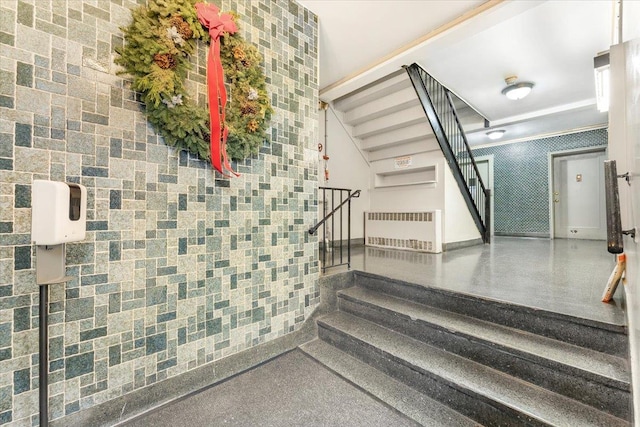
(496, 134)
(515, 90)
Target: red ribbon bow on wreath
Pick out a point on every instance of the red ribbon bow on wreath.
(218, 24)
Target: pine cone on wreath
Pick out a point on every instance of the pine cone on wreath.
(249, 108)
(164, 60)
(182, 26)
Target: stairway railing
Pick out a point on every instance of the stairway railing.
(438, 105)
(332, 249)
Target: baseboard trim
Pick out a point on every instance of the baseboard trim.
(139, 402)
(459, 245)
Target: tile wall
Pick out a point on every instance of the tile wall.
(521, 180)
(180, 266)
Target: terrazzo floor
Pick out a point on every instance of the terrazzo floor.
(565, 276)
(290, 390)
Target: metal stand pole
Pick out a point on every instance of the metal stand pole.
(44, 356)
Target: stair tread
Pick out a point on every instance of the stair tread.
(471, 377)
(398, 395)
(600, 365)
(362, 277)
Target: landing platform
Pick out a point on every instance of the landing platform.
(288, 391)
(561, 275)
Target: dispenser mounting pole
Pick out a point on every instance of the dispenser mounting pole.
(43, 344)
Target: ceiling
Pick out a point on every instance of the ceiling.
(471, 46)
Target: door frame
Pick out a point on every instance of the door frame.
(552, 155)
(489, 158)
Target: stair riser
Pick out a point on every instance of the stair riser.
(478, 408)
(399, 396)
(369, 129)
(547, 324)
(382, 107)
(602, 393)
(395, 83)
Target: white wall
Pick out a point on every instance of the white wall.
(630, 18)
(347, 169)
(458, 223)
(411, 198)
(624, 147)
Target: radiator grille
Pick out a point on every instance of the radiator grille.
(415, 231)
(417, 245)
(400, 216)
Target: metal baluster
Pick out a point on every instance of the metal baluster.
(341, 218)
(324, 231)
(438, 104)
(333, 232)
(349, 231)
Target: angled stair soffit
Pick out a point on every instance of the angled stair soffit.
(492, 12)
(521, 124)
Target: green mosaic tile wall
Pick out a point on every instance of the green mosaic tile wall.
(521, 180)
(180, 267)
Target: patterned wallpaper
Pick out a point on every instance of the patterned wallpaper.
(180, 266)
(521, 186)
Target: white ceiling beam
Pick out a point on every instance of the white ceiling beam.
(545, 112)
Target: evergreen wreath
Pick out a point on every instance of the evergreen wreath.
(158, 44)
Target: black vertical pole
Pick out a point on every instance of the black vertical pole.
(341, 241)
(349, 232)
(324, 231)
(487, 215)
(44, 355)
(333, 227)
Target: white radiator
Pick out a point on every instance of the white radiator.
(414, 231)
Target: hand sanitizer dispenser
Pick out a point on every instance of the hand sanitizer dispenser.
(58, 216)
(59, 212)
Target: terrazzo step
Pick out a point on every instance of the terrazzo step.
(394, 393)
(486, 395)
(600, 336)
(597, 379)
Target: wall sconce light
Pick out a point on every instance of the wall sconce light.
(603, 89)
(496, 134)
(515, 90)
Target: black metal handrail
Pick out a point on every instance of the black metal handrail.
(441, 113)
(329, 224)
(612, 202)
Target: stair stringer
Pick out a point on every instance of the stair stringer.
(437, 105)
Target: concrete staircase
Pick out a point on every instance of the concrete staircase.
(406, 167)
(388, 121)
(448, 359)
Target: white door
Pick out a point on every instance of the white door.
(578, 196)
